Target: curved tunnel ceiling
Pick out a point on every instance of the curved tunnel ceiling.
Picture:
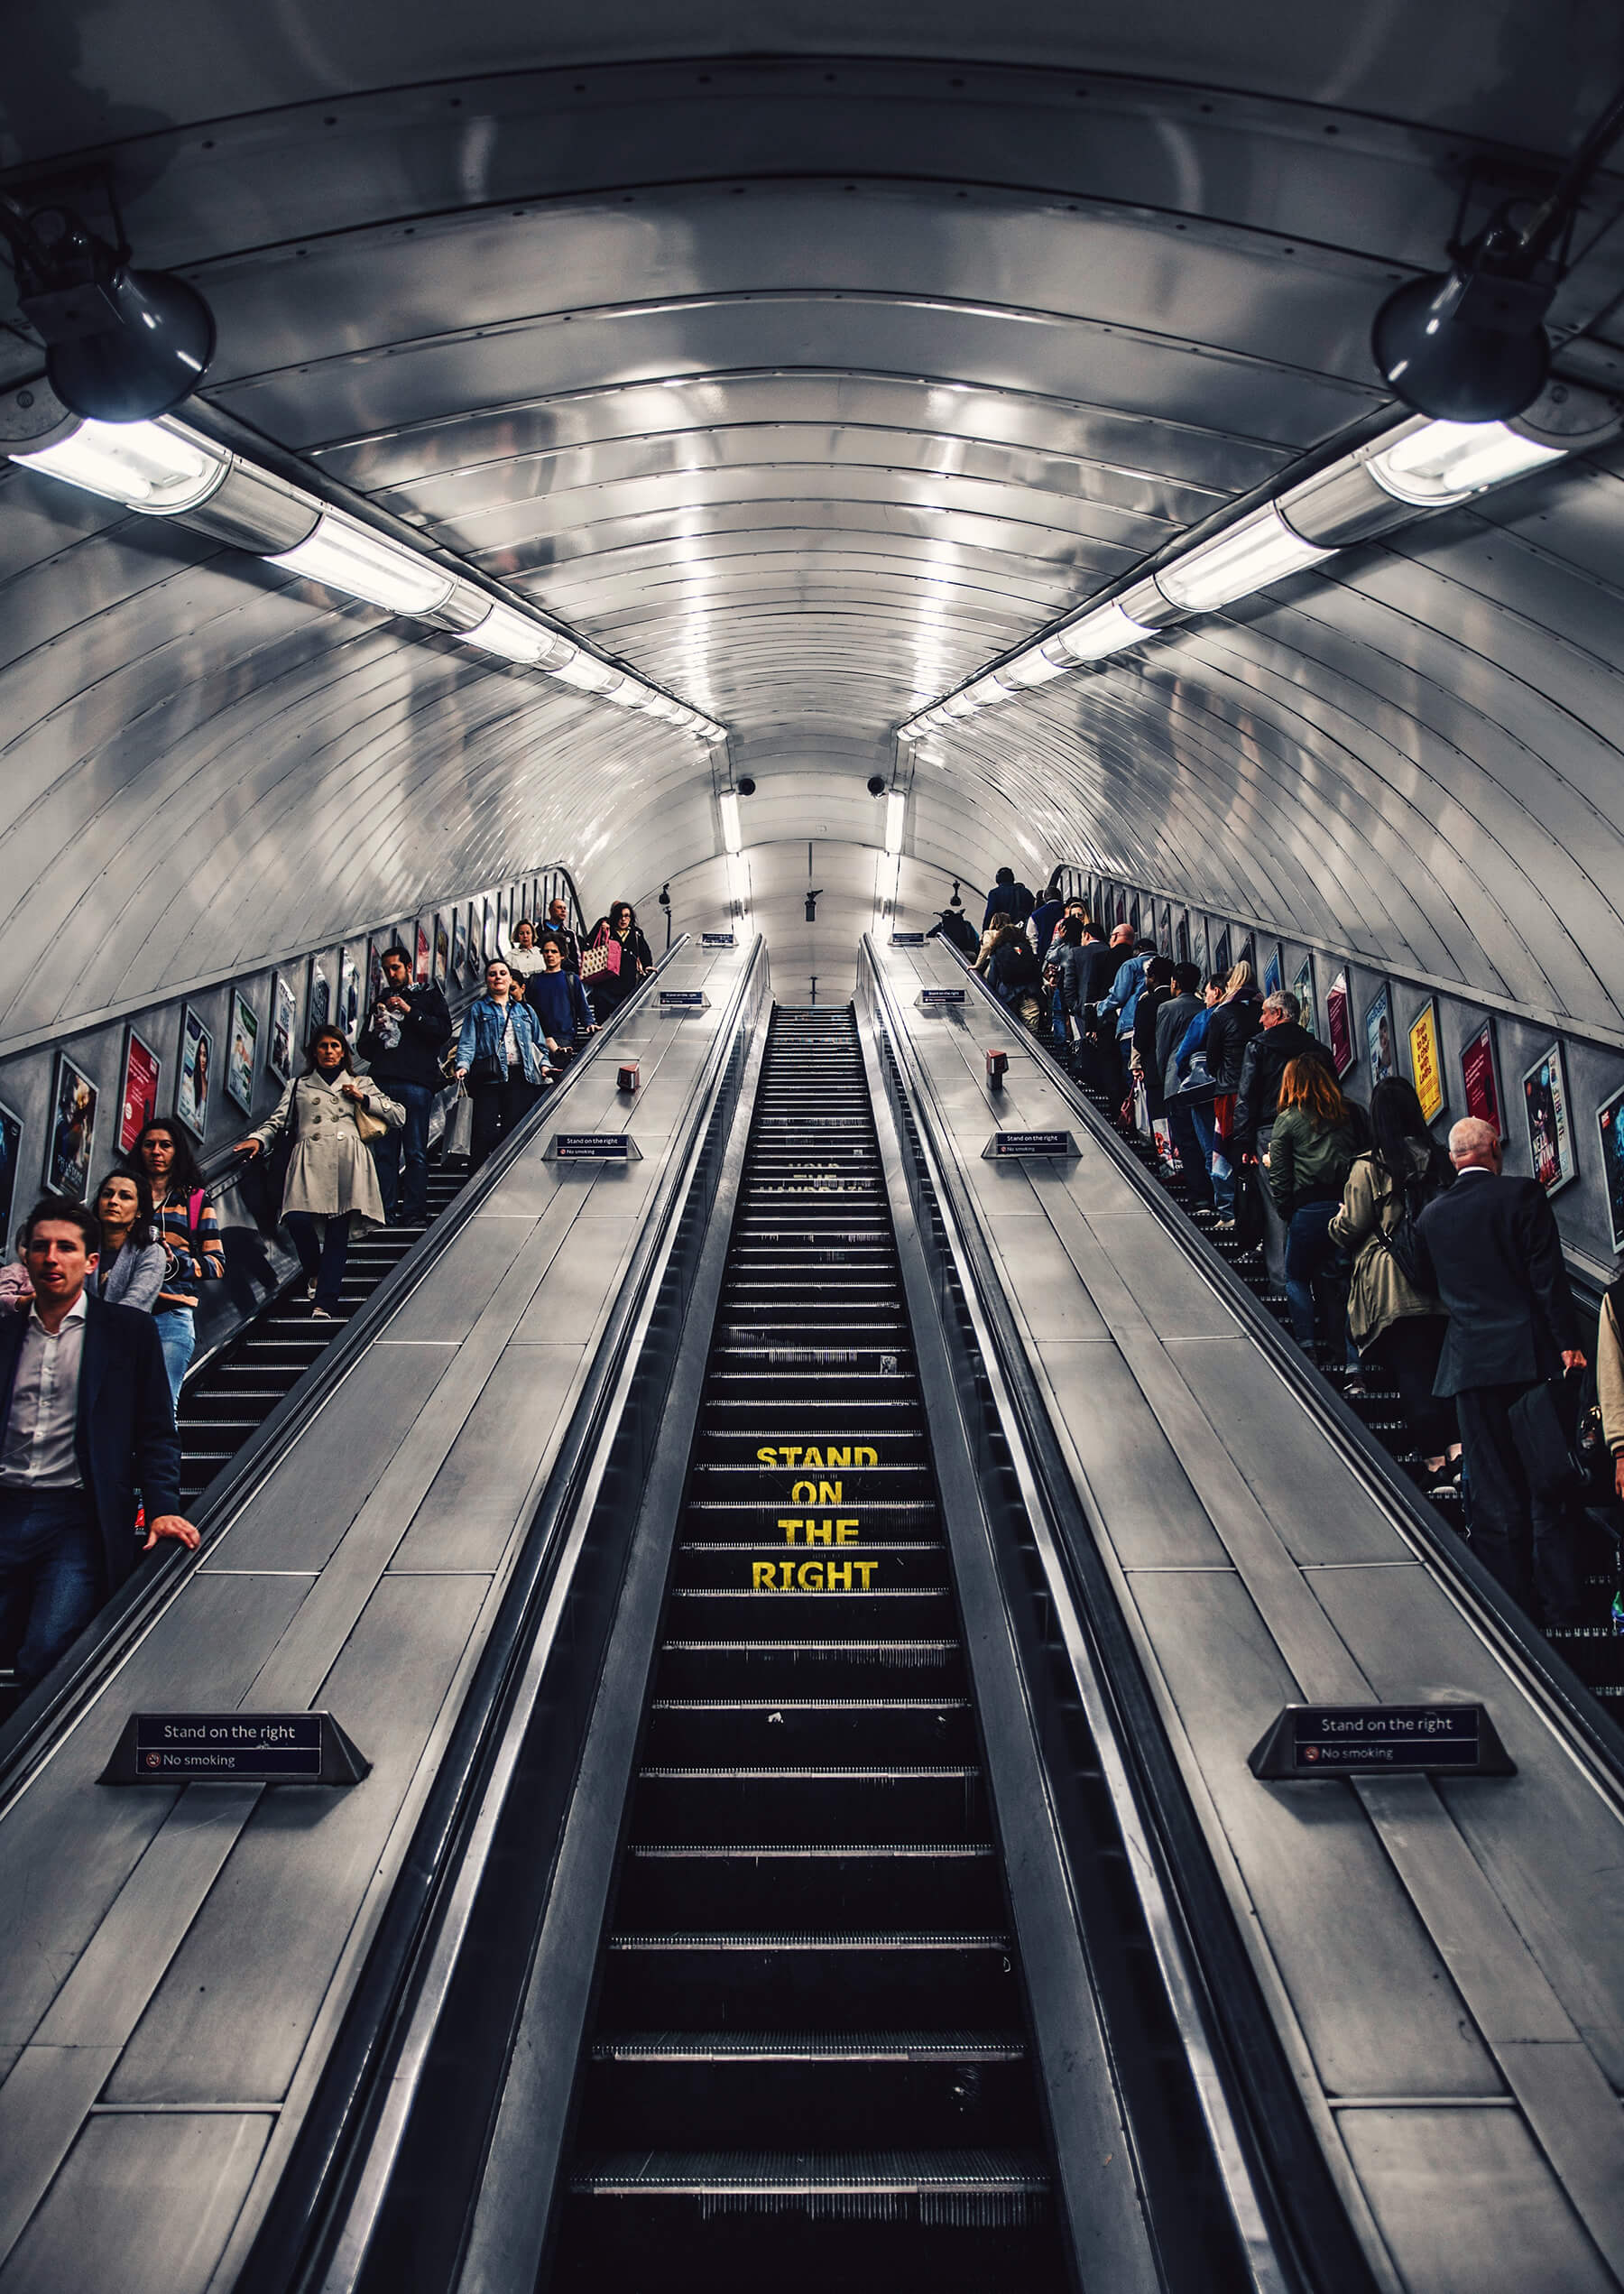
(806, 385)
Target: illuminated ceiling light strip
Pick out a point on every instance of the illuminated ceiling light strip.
(163, 469)
(1420, 466)
(728, 805)
(895, 817)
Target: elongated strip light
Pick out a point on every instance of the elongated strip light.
(164, 469)
(1419, 467)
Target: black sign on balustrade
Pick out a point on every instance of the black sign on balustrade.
(593, 1147)
(1005, 1143)
(234, 1748)
(930, 997)
(1310, 1741)
(716, 939)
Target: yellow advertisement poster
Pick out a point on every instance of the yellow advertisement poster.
(1426, 1065)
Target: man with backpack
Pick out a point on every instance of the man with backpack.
(1007, 897)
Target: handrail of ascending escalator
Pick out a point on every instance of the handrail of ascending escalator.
(560, 1598)
(1288, 2215)
(1550, 1683)
(29, 1735)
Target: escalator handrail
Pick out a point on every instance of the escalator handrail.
(33, 1731)
(287, 2248)
(1288, 2215)
(1551, 1685)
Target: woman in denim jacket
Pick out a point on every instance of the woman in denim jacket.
(502, 1056)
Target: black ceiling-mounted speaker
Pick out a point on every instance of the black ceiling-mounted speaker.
(121, 344)
(876, 786)
(746, 788)
(1469, 344)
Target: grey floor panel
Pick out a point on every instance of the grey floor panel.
(1506, 2222)
(64, 1854)
(238, 2000)
(463, 1283)
(1375, 2001)
(143, 2205)
(580, 1278)
(1171, 1293)
(468, 1515)
(1152, 1514)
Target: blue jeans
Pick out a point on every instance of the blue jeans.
(321, 1256)
(177, 1336)
(1217, 1162)
(1309, 1250)
(412, 1143)
(51, 1573)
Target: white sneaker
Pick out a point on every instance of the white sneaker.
(310, 1288)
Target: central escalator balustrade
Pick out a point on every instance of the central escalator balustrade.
(811, 2060)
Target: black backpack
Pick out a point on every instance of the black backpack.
(1400, 1241)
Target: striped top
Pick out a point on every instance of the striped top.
(196, 1255)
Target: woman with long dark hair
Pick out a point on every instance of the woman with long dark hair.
(189, 1232)
(616, 935)
(1395, 1326)
(1315, 1137)
(331, 1189)
(130, 1266)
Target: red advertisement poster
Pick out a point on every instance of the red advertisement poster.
(1339, 1024)
(138, 1100)
(1477, 1078)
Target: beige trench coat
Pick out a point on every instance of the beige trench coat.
(1379, 1293)
(331, 1171)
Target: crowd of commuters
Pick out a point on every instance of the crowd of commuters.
(101, 1302)
(1422, 1267)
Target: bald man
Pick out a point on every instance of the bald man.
(1489, 1249)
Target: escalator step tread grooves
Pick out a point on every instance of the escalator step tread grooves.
(807, 2060)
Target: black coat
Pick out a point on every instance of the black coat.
(1095, 971)
(1489, 1249)
(1263, 1063)
(425, 1032)
(1229, 1032)
(125, 1437)
(1015, 901)
(955, 927)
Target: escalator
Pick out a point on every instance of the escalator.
(810, 2058)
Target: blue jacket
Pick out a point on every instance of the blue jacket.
(560, 1001)
(1191, 1041)
(1044, 917)
(484, 1028)
(1124, 999)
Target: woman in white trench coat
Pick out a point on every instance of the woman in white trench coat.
(332, 1184)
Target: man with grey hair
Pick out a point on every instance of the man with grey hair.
(1279, 1039)
(1488, 1246)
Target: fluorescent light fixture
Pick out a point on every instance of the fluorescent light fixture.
(738, 884)
(1258, 551)
(713, 734)
(343, 554)
(987, 690)
(588, 676)
(728, 805)
(957, 704)
(512, 636)
(896, 813)
(1031, 669)
(1107, 630)
(1444, 462)
(156, 467)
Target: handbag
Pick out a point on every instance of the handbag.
(486, 1068)
(1548, 1455)
(459, 1130)
(600, 957)
(369, 1125)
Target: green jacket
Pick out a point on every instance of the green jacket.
(1308, 1161)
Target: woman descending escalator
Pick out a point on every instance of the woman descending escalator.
(614, 957)
(501, 1057)
(189, 1230)
(328, 1115)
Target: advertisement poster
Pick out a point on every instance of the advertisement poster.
(1610, 1126)
(442, 951)
(196, 1066)
(1339, 1024)
(1302, 988)
(10, 1155)
(459, 943)
(489, 943)
(1379, 1037)
(138, 1099)
(320, 1009)
(1426, 1062)
(1220, 953)
(1164, 932)
(1551, 1155)
(419, 967)
(72, 1139)
(239, 1060)
(374, 972)
(1273, 972)
(284, 1029)
(1479, 1080)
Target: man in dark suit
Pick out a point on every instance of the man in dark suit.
(85, 1420)
(1489, 1249)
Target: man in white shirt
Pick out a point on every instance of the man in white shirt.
(85, 1420)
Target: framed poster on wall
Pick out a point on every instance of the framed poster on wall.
(195, 1071)
(138, 1096)
(239, 1058)
(349, 995)
(1610, 1126)
(1274, 971)
(1302, 988)
(442, 949)
(284, 1029)
(72, 1139)
(419, 966)
(1379, 1037)
(318, 1003)
(1480, 1078)
(1181, 937)
(11, 1156)
(1426, 1061)
(1339, 1024)
(1552, 1155)
(1221, 953)
(374, 972)
(1164, 930)
(459, 942)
